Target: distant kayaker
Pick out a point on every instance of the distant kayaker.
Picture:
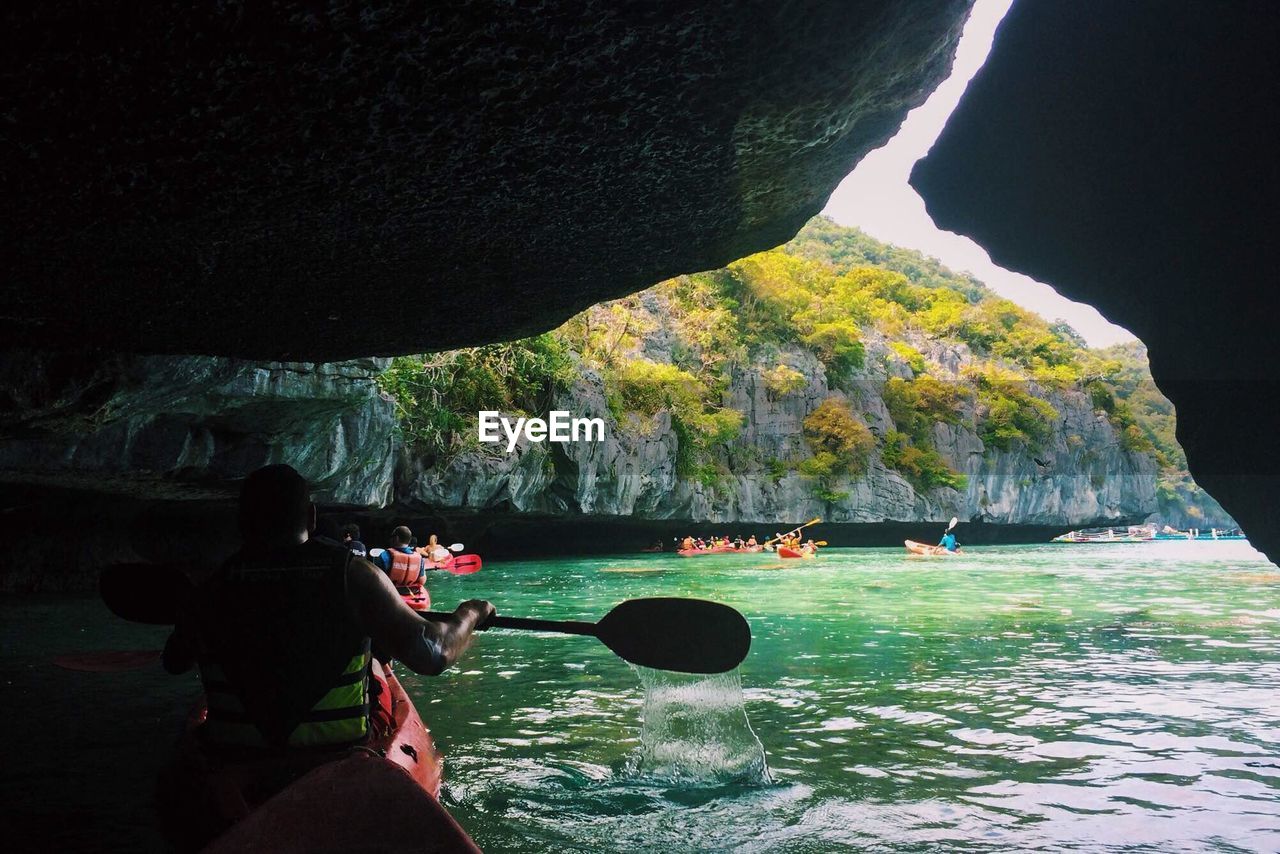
(751, 542)
(351, 539)
(433, 550)
(687, 544)
(948, 542)
(282, 636)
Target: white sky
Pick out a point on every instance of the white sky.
(877, 198)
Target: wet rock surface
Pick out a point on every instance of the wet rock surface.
(186, 428)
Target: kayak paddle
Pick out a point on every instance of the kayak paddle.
(684, 635)
(144, 592)
(108, 661)
(815, 520)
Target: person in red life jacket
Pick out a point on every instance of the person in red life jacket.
(281, 635)
(403, 563)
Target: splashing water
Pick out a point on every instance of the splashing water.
(695, 730)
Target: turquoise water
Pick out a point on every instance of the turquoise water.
(1123, 697)
(1057, 697)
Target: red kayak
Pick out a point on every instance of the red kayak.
(458, 564)
(783, 551)
(417, 598)
(718, 550)
(381, 798)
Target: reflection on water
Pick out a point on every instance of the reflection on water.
(1090, 698)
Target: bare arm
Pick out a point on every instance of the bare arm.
(425, 646)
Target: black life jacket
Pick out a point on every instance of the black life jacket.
(282, 661)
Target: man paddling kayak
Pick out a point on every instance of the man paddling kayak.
(948, 540)
(433, 551)
(282, 636)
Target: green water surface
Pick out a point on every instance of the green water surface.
(1056, 697)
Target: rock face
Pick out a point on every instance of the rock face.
(191, 427)
(1079, 477)
(275, 181)
(137, 457)
(1086, 155)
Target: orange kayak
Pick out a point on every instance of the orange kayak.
(928, 550)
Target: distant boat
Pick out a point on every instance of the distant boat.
(1197, 534)
(1107, 535)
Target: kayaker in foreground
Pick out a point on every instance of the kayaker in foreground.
(282, 636)
(948, 541)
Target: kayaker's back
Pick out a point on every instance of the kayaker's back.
(283, 663)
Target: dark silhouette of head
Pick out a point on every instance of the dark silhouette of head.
(350, 532)
(275, 506)
(401, 536)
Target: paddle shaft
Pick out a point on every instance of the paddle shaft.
(793, 530)
(531, 624)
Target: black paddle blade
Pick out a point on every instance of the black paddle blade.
(109, 661)
(684, 635)
(144, 592)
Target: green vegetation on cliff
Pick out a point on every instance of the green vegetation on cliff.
(1131, 395)
(438, 395)
(889, 328)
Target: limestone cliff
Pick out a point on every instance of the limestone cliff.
(1080, 476)
(189, 427)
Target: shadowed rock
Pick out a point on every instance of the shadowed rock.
(283, 181)
(1126, 153)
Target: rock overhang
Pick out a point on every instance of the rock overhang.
(276, 182)
(1125, 153)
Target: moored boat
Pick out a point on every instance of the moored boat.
(1107, 535)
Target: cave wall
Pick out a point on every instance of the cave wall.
(286, 181)
(1126, 154)
(189, 428)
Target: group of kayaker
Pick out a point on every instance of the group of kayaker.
(720, 544)
(282, 635)
(787, 545)
(403, 560)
